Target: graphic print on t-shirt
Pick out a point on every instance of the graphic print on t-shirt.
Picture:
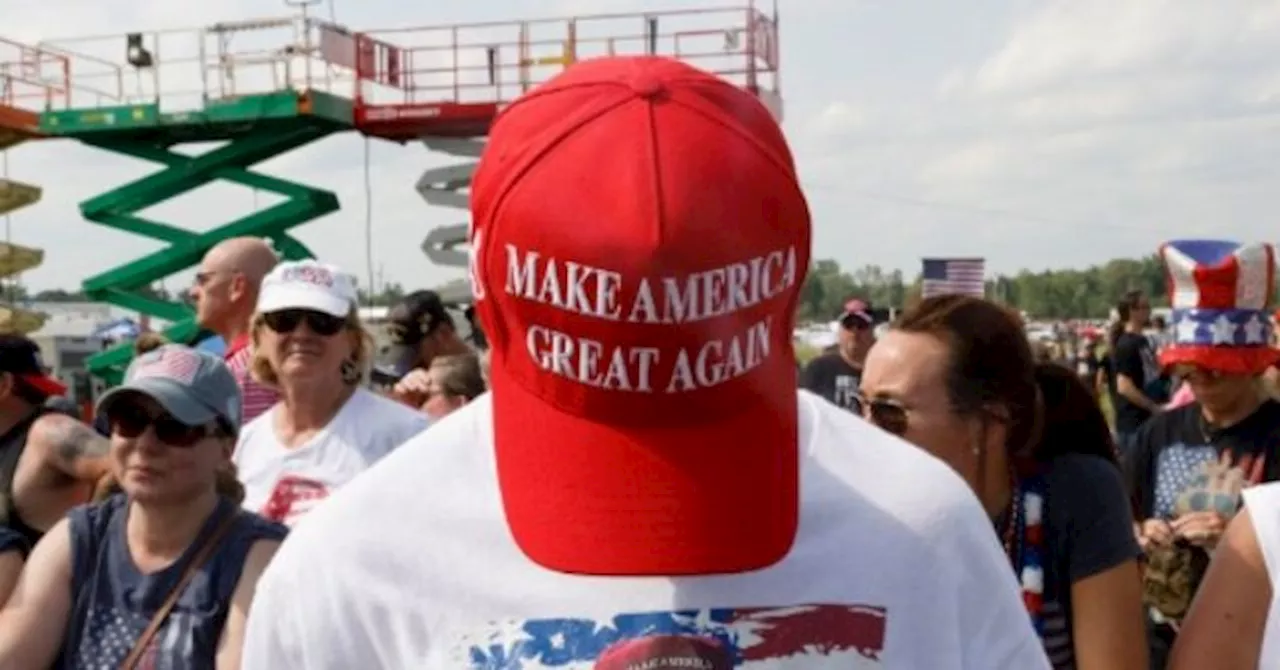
(1194, 478)
(813, 637)
(292, 497)
(846, 393)
(110, 633)
(833, 378)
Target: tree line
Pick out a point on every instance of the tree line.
(1071, 293)
(1049, 294)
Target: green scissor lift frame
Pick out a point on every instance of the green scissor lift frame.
(255, 128)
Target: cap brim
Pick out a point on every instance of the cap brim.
(587, 498)
(45, 384)
(397, 360)
(173, 397)
(850, 319)
(280, 299)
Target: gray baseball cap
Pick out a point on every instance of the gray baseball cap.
(194, 386)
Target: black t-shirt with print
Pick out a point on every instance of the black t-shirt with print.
(1088, 530)
(1133, 357)
(1178, 465)
(1177, 454)
(833, 378)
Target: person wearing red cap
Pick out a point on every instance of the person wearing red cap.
(644, 485)
(49, 462)
(836, 375)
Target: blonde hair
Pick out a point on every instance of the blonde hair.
(148, 341)
(361, 353)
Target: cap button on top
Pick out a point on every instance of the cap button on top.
(647, 85)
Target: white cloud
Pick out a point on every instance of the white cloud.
(1071, 39)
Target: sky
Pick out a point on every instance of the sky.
(1035, 133)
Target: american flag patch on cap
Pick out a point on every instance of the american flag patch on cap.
(173, 363)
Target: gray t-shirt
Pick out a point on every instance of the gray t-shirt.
(1088, 530)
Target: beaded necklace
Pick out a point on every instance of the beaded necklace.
(1024, 544)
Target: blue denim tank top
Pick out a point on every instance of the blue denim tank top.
(113, 602)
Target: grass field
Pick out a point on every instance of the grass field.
(805, 353)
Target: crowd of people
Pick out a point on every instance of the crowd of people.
(625, 475)
(1146, 515)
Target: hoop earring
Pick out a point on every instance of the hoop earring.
(350, 373)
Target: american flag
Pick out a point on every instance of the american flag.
(175, 363)
(952, 276)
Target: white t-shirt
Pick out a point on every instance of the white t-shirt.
(895, 565)
(1263, 503)
(282, 484)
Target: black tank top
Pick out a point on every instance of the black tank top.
(12, 444)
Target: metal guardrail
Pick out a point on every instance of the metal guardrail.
(186, 69)
(31, 78)
(498, 61)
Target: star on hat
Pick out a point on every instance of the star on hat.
(1220, 291)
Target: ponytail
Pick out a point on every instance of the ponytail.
(1117, 328)
(1124, 309)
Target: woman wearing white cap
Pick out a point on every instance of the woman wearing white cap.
(161, 575)
(309, 344)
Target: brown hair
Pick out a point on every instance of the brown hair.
(460, 375)
(227, 484)
(993, 371)
(1124, 308)
(361, 355)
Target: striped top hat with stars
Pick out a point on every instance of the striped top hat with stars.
(1220, 292)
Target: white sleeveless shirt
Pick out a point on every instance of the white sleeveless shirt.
(1263, 503)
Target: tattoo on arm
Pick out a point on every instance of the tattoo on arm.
(74, 441)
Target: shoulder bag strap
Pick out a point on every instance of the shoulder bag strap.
(206, 549)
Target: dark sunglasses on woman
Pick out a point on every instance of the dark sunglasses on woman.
(130, 422)
(287, 320)
(888, 414)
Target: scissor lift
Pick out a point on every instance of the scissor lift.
(444, 85)
(31, 80)
(265, 87)
(261, 87)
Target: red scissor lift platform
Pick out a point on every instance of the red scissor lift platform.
(451, 81)
(32, 80)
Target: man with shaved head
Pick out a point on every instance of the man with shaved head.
(226, 293)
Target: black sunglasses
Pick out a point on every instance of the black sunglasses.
(286, 321)
(888, 414)
(131, 422)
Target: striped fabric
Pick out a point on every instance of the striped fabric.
(1057, 637)
(257, 397)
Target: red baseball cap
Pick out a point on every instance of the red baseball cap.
(666, 652)
(639, 239)
(856, 312)
(20, 356)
